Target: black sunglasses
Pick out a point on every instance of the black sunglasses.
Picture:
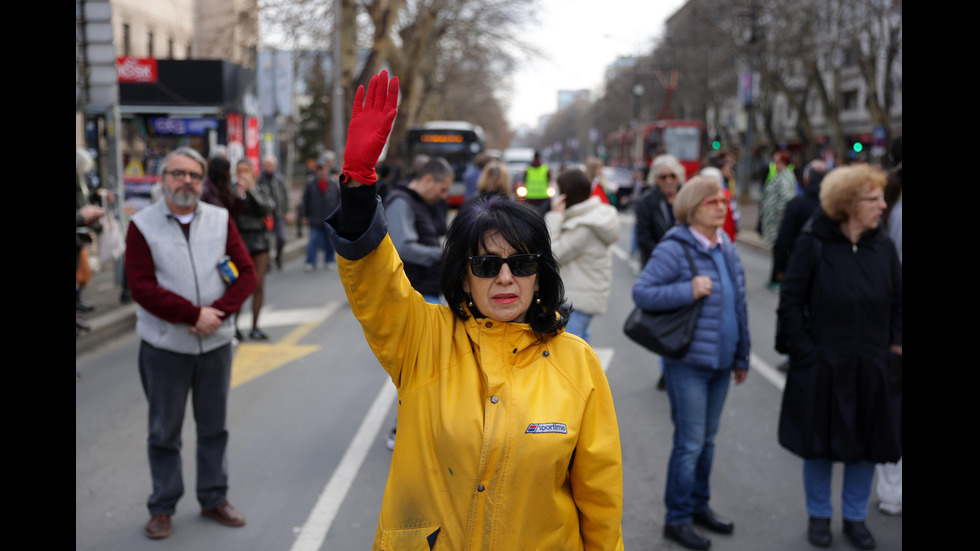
(521, 265)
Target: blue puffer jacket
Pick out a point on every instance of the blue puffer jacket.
(665, 284)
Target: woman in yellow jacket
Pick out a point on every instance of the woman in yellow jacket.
(507, 434)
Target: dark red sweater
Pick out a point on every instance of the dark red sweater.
(169, 306)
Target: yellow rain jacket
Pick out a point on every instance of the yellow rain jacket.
(504, 443)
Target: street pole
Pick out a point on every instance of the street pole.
(745, 158)
(338, 91)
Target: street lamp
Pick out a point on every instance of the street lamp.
(637, 92)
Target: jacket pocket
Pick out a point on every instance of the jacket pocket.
(412, 539)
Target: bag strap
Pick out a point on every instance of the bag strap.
(687, 253)
(813, 265)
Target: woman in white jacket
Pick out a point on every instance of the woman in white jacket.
(582, 229)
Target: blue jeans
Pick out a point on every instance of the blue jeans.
(319, 241)
(578, 325)
(167, 379)
(696, 399)
(856, 491)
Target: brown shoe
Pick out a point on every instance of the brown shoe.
(158, 527)
(225, 514)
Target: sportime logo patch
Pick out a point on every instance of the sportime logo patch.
(544, 428)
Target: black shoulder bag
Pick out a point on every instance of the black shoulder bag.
(669, 332)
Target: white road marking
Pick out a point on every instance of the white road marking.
(770, 373)
(605, 357)
(296, 316)
(314, 531)
(621, 254)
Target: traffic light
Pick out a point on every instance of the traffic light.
(857, 147)
(716, 143)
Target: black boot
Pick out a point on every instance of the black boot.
(858, 534)
(818, 533)
(686, 535)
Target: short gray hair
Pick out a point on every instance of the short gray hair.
(669, 161)
(438, 168)
(184, 151)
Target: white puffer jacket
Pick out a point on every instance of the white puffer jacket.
(580, 239)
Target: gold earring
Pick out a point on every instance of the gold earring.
(469, 300)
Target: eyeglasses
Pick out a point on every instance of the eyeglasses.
(874, 198)
(521, 265)
(181, 174)
(714, 202)
(671, 175)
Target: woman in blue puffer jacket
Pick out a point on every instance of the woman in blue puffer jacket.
(697, 383)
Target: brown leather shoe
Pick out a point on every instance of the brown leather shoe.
(158, 527)
(225, 514)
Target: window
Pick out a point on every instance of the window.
(149, 44)
(126, 43)
(170, 48)
(850, 100)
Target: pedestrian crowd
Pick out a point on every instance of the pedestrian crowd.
(483, 324)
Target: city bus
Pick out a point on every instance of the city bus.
(635, 147)
(456, 141)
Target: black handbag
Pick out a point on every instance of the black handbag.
(667, 333)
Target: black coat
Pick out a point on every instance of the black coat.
(843, 394)
(251, 220)
(798, 211)
(317, 205)
(654, 216)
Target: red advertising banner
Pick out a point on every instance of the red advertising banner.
(136, 69)
(252, 141)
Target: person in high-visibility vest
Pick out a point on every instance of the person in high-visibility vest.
(537, 178)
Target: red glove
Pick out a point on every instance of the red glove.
(369, 128)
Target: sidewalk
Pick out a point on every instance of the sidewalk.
(112, 318)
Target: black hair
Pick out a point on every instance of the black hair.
(219, 173)
(524, 228)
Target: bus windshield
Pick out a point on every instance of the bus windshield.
(457, 142)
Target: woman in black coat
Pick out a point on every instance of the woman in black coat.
(840, 319)
(654, 210)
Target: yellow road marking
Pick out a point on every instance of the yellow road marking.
(256, 359)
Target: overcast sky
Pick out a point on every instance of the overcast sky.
(579, 38)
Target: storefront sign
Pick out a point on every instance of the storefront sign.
(182, 127)
(133, 69)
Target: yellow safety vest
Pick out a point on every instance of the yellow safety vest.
(536, 181)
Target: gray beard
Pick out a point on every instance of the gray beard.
(185, 198)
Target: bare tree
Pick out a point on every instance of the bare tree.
(452, 57)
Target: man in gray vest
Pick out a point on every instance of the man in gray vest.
(188, 272)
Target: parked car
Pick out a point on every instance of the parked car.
(620, 182)
(516, 159)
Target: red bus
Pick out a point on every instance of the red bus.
(682, 138)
